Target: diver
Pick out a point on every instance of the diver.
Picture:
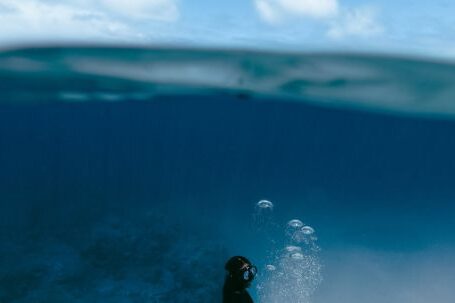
(240, 274)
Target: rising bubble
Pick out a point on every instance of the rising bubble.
(307, 230)
(295, 223)
(265, 204)
(298, 271)
(297, 256)
(292, 248)
(270, 267)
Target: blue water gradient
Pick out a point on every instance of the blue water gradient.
(143, 200)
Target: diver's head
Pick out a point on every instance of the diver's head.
(241, 270)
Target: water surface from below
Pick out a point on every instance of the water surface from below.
(131, 175)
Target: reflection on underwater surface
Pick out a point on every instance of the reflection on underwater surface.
(86, 74)
(144, 200)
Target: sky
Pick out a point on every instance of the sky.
(400, 26)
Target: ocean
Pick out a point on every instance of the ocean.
(133, 174)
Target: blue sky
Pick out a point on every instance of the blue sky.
(400, 26)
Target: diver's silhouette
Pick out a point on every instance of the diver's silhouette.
(240, 273)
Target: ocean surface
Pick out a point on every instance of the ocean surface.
(132, 175)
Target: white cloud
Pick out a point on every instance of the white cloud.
(361, 22)
(161, 10)
(80, 20)
(311, 8)
(34, 20)
(273, 11)
(267, 11)
(358, 21)
(6, 7)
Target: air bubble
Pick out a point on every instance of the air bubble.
(265, 204)
(270, 267)
(307, 230)
(297, 256)
(292, 248)
(295, 223)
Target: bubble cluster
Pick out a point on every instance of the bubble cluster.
(293, 269)
(303, 235)
(295, 278)
(296, 272)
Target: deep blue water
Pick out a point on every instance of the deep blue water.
(110, 197)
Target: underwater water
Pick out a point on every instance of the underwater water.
(132, 175)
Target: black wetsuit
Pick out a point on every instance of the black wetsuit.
(235, 293)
